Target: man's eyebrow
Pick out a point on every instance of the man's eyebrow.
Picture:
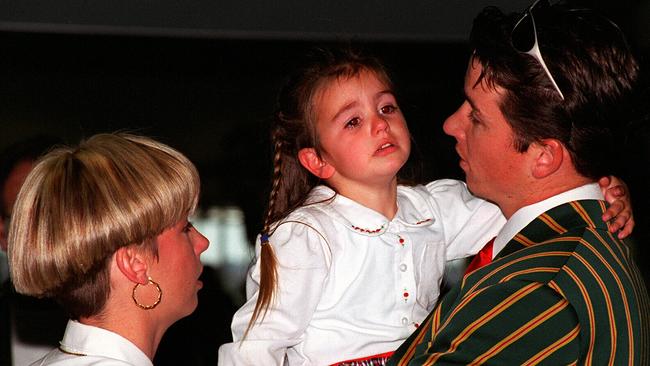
(470, 101)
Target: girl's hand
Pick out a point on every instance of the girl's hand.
(620, 206)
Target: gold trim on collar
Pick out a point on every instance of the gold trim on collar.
(70, 353)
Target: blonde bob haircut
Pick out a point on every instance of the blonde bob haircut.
(80, 205)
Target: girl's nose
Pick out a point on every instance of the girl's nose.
(380, 125)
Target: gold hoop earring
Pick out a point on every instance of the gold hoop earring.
(147, 307)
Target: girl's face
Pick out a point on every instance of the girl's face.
(362, 132)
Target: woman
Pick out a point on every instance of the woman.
(103, 229)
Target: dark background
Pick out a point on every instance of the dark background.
(203, 78)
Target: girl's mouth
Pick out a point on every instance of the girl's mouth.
(386, 148)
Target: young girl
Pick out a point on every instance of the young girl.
(347, 269)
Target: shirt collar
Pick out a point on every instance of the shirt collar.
(412, 210)
(525, 215)
(93, 341)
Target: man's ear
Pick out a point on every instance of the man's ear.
(132, 264)
(316, 166)
(548, 155)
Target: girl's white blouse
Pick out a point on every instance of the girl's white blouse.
(352, 283)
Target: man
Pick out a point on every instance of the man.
(544, 92)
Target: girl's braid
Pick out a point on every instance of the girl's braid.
(268, 267)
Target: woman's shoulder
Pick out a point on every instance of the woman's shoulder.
(85, 344)
(56, 357)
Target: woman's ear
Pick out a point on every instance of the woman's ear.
(310, 160)
(548, 155)
(132, 264)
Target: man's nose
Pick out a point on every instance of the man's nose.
(448, 127)
(453, 124)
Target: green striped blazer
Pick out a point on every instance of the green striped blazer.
(562, 291)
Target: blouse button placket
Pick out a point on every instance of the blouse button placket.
(403, 267)
(405, 292)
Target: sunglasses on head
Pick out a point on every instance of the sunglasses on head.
(524, 38)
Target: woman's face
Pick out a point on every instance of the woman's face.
(178, 268)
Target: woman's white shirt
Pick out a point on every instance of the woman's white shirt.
(85, 345)
(352, 283)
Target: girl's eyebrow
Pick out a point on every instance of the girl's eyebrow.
(344, 109)
(354, 103)
(384, 92)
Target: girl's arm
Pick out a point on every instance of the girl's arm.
(303, 265)
(620, 206)
(467, 222)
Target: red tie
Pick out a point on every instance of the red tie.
(483, 257)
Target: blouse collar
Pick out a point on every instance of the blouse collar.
(412, 211)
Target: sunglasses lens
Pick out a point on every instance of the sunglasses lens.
(523, 35)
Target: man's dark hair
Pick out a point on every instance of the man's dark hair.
(591, 62)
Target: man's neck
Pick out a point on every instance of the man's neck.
(526, 214)
(539, 191)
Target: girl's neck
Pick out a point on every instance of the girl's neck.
(382, 199)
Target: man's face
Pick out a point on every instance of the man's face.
(484, 141)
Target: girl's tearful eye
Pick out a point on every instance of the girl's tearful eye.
(354, 122)
(188, 227)
(388, 109)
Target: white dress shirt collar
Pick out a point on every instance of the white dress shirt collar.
(93, 341)
(525, 215)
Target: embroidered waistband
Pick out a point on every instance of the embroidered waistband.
(375, 360)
